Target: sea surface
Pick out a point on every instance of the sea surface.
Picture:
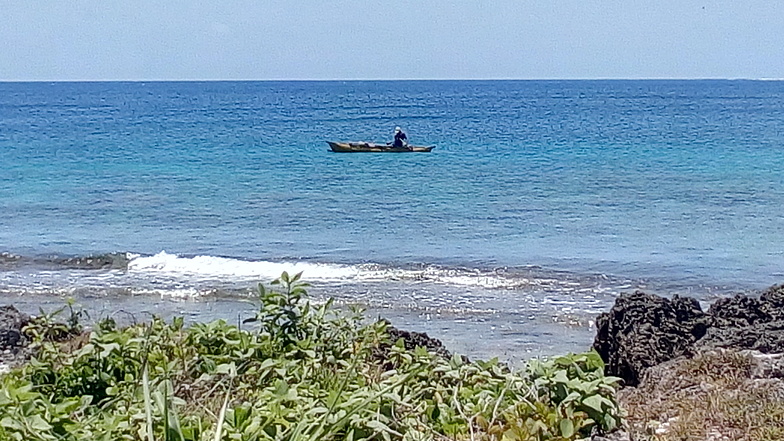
(542, 201)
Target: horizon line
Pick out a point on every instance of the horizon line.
(333, 80)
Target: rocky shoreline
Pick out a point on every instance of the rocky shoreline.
(643, 330)
(716, 375)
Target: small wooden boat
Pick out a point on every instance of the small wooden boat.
(351, 147)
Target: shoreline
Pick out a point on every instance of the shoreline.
(377, 367)
(514, 314)
(644, 339)
(514, 325)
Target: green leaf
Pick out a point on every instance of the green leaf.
(567, 428)
(106, 349)
(561, 377)
(596, 402)
(378, 426)
(610, 422)
(38, 423)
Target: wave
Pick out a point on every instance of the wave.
(212, 267)
(237, 270)
(177, 276)
(518, 293)
(233, 271)
(224, 267)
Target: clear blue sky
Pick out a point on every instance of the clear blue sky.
(372, 39)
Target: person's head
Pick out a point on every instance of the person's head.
(397, 130)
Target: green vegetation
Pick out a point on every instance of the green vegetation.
(301, 373)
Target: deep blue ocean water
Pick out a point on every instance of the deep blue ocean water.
(542, 201)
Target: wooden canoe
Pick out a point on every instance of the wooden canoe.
(353, 147)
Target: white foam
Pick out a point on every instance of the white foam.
(172, 293)
(483, 281)
(232, 270)
(215, 267)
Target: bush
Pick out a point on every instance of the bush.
(303, 373)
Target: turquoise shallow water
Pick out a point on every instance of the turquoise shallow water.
(542, 201)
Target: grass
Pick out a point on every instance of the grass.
(714, 395)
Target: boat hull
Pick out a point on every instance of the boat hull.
(357, 147)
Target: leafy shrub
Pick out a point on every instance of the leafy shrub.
(304, 373)
(47, 327)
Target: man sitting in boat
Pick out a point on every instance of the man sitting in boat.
(401, 140)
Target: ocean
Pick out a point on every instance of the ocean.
(541, 203)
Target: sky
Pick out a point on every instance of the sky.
(143, 40)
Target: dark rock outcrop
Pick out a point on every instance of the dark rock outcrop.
(738, 311)
(743, 311)
(413, 339)
(767, 338)
(643, 330)
(11, 323)
(743, 322)
(12, 340)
